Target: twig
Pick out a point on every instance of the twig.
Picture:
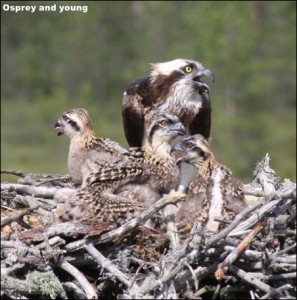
(223, 267)
(273, 277)
(286, 250)
(59, 178)
(11, 172)
(8, 220)
(11, 283)
(234, 223)
(277, 291)
(253, 219)
(70, 286)
(74, 228)
(87, 287)
(44, 192)
(193, 275)
(7, 271)
(172, 231)
(164, 279)
(251, 280)
(108, 265)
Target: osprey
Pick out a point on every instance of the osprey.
(130, 185)
(174, 87)
(212, 191)
(85, 147)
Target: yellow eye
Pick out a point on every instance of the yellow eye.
(188, 69)
(164, 123)
(190, 145)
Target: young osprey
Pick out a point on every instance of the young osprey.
(148, 173)
(85, 147)
(212, 191)
(174, 87)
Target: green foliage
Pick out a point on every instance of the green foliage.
(53, 62)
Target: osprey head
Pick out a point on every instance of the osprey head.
(194, 150)
(74, 123)
(189, 70)
(163, 129)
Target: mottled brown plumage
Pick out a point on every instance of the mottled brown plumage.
(85, 147)
(213, 193)
(174, 87)
(140, 180)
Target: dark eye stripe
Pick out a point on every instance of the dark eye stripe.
(200, 151)
(150, 137)
(74, 125)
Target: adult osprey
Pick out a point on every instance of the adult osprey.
(174, 87)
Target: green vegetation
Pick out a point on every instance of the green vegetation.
(52, 62)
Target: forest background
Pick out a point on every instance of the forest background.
(52, 62)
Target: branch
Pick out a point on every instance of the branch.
(108, 265)
(172, 232)
(252, 280)
(223, 267)
(234, 223)
(70, 229)
(87, 287)
(9, 220)
(44, 192)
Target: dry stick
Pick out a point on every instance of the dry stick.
(251, 280)
(80, 277)
(59, 178)
(11, 283)
(273, 277)
(164, 279)
(254, 218)
(193, 275)
(282, 288)
(8, 220)
(108, 265)
(72, 287)
(44, 192)
(172, 231)
(285, 250)
(17, 173)
(223, 267)
(7, 271)
(17, 245)
(234, 223)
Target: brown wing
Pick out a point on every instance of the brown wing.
(201, 124)
(136, 98)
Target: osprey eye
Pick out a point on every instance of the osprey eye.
(164, 123)
(190, 145)
(188, 69)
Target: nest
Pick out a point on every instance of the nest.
(252, 257)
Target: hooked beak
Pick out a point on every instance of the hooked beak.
(178, 129)
(59, 127)
(180, 153)
(199, 82)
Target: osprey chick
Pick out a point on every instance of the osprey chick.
(135, 183)
(213, 194)
(175, 87)
(85, 147)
